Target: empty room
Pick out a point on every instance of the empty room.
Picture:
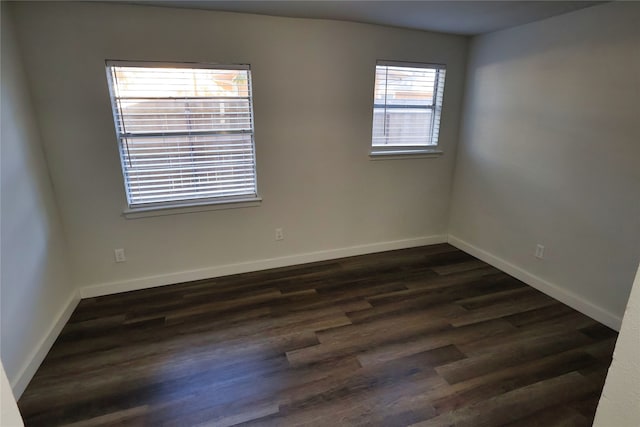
(316, 213)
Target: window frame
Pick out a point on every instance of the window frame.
(411, 151)
(184, 205)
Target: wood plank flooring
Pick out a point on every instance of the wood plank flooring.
(426, 336)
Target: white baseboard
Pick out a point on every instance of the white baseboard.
(566, 297)
(244, 267)
(35, 358)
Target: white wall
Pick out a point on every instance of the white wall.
(35, 285)
(549, 154)
(620, 402)
(313, 93)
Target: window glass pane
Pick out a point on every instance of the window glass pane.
(401, 126)
(184, 115)
(135, 82)
(404, 86)
(407, 106)
(185, 134)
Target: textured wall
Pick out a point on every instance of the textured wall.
(35, 285)
(313, 94)
(549, 152)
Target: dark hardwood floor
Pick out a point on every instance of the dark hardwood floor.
(427, 336)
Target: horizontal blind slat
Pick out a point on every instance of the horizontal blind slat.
(176, 195)
(176, 170)
(188, 151)
(171, 180)
(176, 166)
(235, 147)
(155, 189)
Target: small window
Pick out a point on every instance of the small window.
(407, 107)
(185, 133)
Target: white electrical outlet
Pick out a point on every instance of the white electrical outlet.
(119, 255)
(279, 234)
(539, 251)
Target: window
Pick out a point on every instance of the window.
(185, 133)
(406, 108)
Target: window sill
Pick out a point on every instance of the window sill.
(190, 208)
(404, 154)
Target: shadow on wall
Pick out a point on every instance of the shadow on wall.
(35, 284)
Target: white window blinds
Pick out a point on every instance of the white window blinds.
(185, 132)
(407, 106)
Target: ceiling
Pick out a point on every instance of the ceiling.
(457, 17)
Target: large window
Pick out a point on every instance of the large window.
(407, 107)
(185, 132)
